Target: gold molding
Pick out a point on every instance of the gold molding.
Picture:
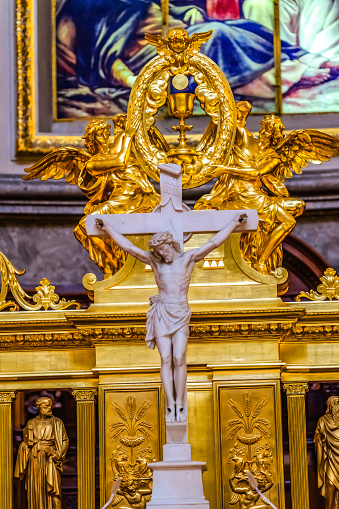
(25, 73)
(43, 340)
(317, 332)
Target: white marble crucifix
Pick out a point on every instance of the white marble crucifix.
(168, 318)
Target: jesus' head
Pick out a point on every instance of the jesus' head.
(164, 246)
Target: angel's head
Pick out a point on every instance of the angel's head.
(119, 121)
(178, 40)
(271, 130)
(97, 136)
(243, 110)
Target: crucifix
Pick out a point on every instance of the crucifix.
(168, 318)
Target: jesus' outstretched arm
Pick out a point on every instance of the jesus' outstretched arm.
(218, 239)
(125, 244)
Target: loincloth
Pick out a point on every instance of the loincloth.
(165, 318)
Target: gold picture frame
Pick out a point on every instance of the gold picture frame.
(29, 139)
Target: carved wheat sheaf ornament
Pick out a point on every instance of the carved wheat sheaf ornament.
(131, 457)
(249, 428)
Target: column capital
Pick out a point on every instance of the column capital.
(295, 389)
(7, 396)
(84, 395)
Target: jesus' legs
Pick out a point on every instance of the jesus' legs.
(179, 342)
(164, 345)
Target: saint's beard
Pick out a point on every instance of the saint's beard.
(335, 415)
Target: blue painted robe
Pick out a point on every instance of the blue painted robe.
(106, 31)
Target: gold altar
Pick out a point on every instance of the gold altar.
(238, 359)
(245, 343)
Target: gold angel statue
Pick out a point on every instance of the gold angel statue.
(254, 178)
(109, 176)
(178, 46)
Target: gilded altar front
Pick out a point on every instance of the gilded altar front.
(239, 360)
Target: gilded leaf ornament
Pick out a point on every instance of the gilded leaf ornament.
(328, 289)
(44, 298)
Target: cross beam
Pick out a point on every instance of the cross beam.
(171, 215)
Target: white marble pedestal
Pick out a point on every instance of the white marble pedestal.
(177, 481)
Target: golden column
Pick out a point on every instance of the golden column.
(85, 399)
(295, 393)
(6, 449)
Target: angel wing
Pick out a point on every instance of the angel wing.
(299, 148)
(207, 138)
(68, 163)
(198, 39)
(157, 41)
(157, 139)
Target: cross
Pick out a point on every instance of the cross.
(171, 215)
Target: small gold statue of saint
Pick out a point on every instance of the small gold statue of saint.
(41, 456)
(326, 441)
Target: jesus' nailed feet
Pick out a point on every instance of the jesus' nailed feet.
(176, 413)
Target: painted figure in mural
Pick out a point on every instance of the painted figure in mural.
(326, 441)
(101, 46)
(261, 162)
(168, 318)
(41, 456)
(313, 26)
(111, 179)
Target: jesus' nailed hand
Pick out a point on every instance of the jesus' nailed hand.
(168, 318)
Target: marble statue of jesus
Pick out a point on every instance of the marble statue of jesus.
(168, 318)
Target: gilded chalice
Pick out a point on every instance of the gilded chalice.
(181, 106)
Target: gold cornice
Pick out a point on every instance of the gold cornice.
(73, 329)
(43, 340)
(225, 317)
(319, 368)
(63, 377)
(319, 332)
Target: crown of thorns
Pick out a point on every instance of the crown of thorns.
(164, 238)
